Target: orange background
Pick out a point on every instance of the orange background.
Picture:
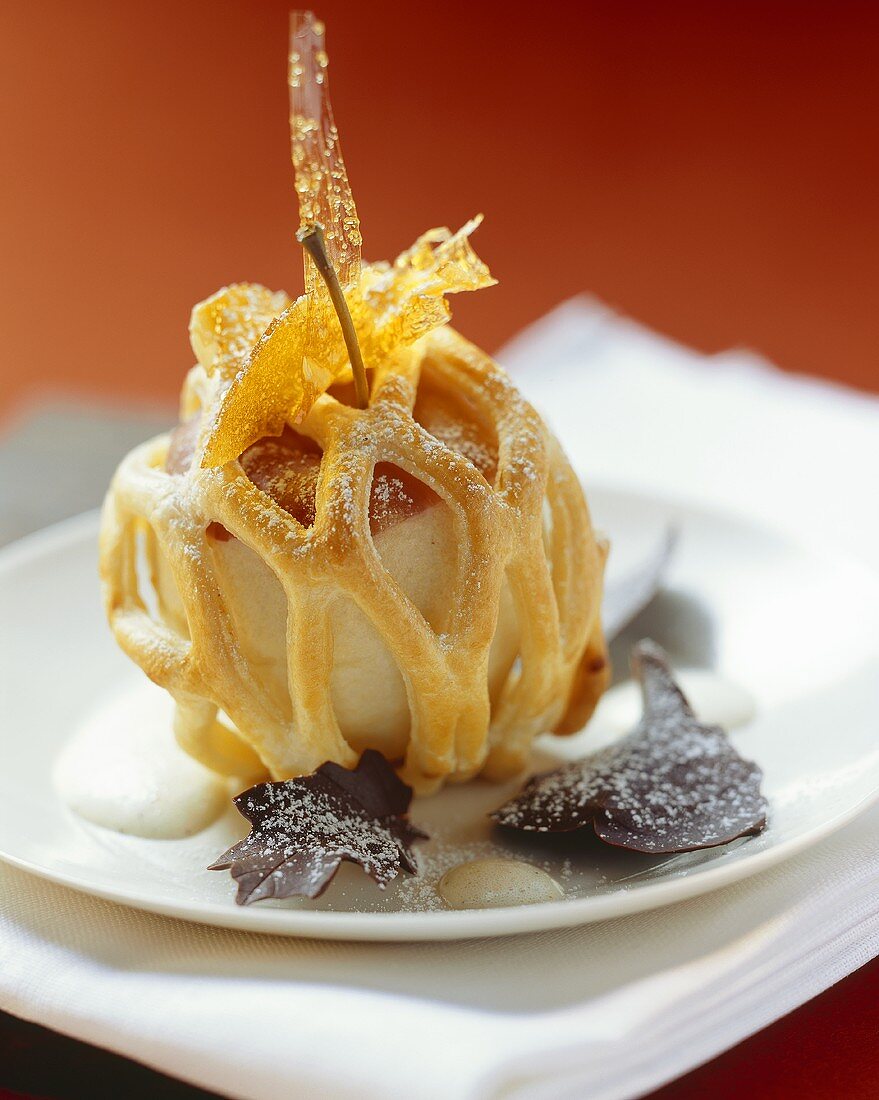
(711, 169)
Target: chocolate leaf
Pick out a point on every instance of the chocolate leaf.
(302, 829)
(673, 785)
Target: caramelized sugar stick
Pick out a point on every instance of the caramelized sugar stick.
(322, 186)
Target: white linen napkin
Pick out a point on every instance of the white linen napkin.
(609, 1010)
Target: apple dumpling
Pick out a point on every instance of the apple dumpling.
(360, 536)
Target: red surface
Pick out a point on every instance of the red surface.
(826, 1050)
(712, 169)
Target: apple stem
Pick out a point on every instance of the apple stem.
(311, 237)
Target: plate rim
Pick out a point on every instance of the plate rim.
(453, 924)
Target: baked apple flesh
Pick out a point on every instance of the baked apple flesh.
(413, 533)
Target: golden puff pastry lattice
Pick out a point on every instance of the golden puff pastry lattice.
(519, 558)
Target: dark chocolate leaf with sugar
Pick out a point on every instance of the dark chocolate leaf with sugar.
(673, 785)
(302, 829)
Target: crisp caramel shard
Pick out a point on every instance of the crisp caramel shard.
(276, 364)
(301, 352)
(224, 327)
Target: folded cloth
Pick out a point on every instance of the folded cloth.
(608, 1011)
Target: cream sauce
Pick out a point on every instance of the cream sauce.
(492, 883)
(123, 769)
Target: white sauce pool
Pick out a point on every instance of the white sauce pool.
(124, 770)
(493, 883)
